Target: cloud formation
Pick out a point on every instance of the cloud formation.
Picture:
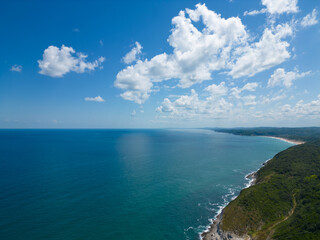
(191, 106)
(132, 56)
(220, 102)
(255, 12)
(94, 99)
(310, 19)
(222, 44)
(281, 6)
(275, 7)
(57, 62)
(269, 51)
(16, 68)
(282, 78)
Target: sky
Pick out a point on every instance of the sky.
(159, 64)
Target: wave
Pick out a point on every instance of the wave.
(231, 195)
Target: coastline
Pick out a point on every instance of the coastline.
(292, 141)
(213, 232)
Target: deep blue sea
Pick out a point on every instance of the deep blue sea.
(121, 184)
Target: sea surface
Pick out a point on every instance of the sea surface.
(121, 184)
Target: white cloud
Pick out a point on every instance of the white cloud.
(236, 91)
(222, 45)
(255, 12)
(249, 100)
(218, 103)
(190, 106)
(57, 62)
(272, 99)
(195, 53)
(250, 87)
(310, 19)
(94, 99)
(301, 109)
(275, 7)
(269, 51)
(217, 90)
(281, 6)
(132, 56)
(16, 68)
(282, 78)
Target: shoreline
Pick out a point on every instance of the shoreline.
(292, 141)
(213, 231)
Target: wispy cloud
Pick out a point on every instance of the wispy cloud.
(16, 68)
(133, 55)
(310, 19)
(94, 99)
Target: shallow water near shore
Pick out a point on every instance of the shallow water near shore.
(121, 184)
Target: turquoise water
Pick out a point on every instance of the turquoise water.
(121, 184)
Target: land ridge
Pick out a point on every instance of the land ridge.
(284, 202)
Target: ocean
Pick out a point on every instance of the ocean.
(121, 184)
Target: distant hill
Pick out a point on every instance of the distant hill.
(304, 134)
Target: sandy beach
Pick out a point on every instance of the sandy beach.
(296, 142)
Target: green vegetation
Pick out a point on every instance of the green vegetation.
(303, 134)
(285, 201)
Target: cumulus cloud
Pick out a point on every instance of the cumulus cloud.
(281, 6)
(236, 92)
(250, 87)
(132, 56)
(57, 62)
(217, 90)
(16, 68)
(310, 19)
(249, 100)
(282, 78)
(275, 7)
(94, 99)
(190, 106)
(302, 109)
(218, 103)
(195, 53)
(222, 44)
(269, 51)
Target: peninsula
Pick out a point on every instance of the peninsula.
(284, 201)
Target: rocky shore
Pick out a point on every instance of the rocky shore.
(215, 232)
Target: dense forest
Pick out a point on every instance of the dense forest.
(303, 134)
(285, 201)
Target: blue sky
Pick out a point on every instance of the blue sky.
(149, 64)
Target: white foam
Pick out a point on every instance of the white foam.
(232, 194)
